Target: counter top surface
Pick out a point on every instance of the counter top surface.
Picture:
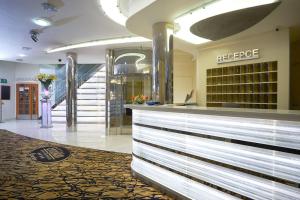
(290, 115)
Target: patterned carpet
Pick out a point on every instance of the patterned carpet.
(84, 174)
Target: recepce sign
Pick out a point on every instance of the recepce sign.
(238, 56)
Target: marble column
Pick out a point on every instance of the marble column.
(71, 89)
(162, 63)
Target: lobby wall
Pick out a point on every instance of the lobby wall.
(7, 71)
(184, 76)
(20, 73)
(295, 75)
(274, 46)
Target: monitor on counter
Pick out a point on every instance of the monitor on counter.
(5, 92)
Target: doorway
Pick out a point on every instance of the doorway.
(27, 104)
(122, 88)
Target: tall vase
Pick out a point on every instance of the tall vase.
(46, 109)
(46, 113)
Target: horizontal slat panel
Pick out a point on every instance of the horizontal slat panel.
(238, 182)
(180, 184)
(271, 132)
(273, 163)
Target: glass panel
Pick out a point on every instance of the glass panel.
(24, 100)
(122, 89)
(33, 100)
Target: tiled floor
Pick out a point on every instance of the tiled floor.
(86, 135)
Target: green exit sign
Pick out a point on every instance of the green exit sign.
(3, 80)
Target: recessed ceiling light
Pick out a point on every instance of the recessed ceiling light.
(112, 10)
(22, 55)
(101, 43)
(42, 21)
(211, 9)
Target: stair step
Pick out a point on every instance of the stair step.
(80, 113)
(91, 90)
(80, 107)
(80, 123)
(101, 73)
(91, 96)
(92, 85)
(87, 102)
(80, 119)
(97, 79)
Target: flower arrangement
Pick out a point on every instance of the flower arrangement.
(139, 99)
(46, 79)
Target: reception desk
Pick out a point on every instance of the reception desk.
(218, 153)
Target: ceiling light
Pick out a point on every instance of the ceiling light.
(22, 55)
(141, 56)
(42, 21)
(211, 9)
(101, 43)
(112, 10)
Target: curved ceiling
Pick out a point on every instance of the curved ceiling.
(230, 23)
(285, 16)
(76, 21)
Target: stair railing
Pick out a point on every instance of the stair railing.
(60, 85)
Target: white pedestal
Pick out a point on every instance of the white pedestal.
(46, 113)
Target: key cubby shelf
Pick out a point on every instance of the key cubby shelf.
(244, 86)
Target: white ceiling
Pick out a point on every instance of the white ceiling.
(76, 21)
(83, 20)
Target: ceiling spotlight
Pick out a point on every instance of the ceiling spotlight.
(34, 35)
(49, 7)
(22, 55)
(42, 21)
(26, 48)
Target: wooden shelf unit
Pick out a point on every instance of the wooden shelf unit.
(244, 86)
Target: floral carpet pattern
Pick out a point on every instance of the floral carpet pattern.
(84, 174)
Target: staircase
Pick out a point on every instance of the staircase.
(90, 101)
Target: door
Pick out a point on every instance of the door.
(27, 101)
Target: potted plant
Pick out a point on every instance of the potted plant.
(46, 80)
(139, 99)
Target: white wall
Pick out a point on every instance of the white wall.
(274, 46)
(184, 76)
(20, 73)
(26, 73)
(7, 71)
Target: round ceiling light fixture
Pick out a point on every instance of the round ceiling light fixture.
(42, 21)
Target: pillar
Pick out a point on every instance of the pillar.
(162, 63)
(71, 88)
(109, 62)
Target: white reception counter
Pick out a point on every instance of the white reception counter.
(218, 153)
